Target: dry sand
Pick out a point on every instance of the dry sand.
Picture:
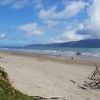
(41, 76)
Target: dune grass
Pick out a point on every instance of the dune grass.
(7, 92)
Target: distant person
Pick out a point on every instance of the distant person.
(72, 58)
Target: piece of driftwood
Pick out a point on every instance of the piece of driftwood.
(73, 81)
(94, 80)
(50, 98)
(82, 87)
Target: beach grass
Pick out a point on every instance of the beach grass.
(7, 92)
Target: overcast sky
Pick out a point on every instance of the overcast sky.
(46, 21)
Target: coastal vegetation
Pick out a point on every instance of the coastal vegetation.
(7, 92)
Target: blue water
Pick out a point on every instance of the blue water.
(93, 53)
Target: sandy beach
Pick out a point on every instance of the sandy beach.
(49, 76)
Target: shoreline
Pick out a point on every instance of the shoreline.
(61, 59)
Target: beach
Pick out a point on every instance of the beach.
(47, 76)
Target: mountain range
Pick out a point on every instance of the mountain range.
(88, 43)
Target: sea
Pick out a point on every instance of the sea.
(84, 53)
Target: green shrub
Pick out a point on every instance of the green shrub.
(7, 92)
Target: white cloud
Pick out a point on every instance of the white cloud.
(3, 35)
(31, 29)
(18, 4)
(93, 24)
(70, 10)
(81, 26)
(53, 18)
(47, 14)
(38, 6)
(94, 13)
(89, 28)
(70, 35)
(51, 23)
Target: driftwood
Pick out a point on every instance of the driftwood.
(81, 87)
(94, 80)
(73, 81)
(95, 75)
(49, 98)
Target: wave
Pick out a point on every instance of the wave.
(65, 52)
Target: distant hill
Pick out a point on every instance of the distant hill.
(89, 43)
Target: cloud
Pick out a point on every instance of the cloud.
(55, 18)
(31, 29)
(89, 28)
(71, 35)
(38, 6)
(3, 36)
(94, 15)
(69, 10)
(51, 23)
(18, 4)
(92, 25)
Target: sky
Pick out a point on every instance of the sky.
(25, 22)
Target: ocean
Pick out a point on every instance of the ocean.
(85, 53)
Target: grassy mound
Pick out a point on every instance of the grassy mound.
(7, 92)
